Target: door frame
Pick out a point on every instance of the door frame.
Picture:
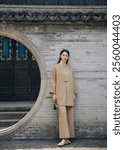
(43, 76)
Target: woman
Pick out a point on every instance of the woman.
(64, 94)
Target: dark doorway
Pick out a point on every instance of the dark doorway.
(19, 72)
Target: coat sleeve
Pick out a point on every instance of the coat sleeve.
(74, 84)
(53, 81)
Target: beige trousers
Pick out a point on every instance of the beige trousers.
(66, 121)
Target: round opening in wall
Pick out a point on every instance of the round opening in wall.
(19, 81)
(21, 89)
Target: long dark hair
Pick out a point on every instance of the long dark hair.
(64, 50)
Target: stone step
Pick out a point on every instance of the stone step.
(15, 106)
(12, 112)
(7, 123)
(12, 115)
(13, 109)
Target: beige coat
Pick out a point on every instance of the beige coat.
(63, 84)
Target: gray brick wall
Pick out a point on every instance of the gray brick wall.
(88, 49)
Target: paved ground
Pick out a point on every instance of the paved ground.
(78, 144)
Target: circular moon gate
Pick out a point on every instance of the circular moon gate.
(24, 53)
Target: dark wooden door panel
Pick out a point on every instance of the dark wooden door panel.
(19, 77)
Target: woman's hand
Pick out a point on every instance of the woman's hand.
(54, 97)
(74, 97)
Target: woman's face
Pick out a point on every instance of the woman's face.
(64, 57)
